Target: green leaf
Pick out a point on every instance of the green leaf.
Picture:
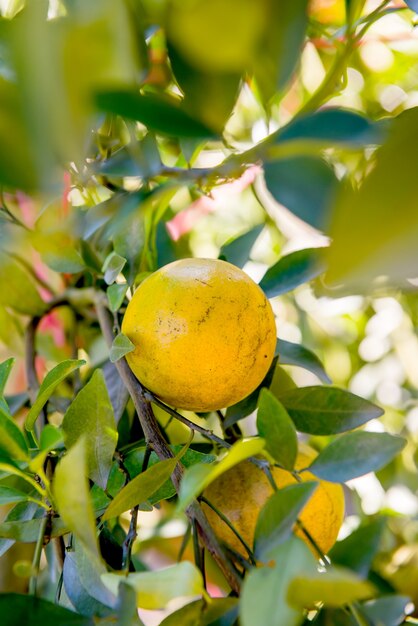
(161, 114)
(327, 410)
(278, 516)
(292, 270)
(219, 612)
(90, 415)
(198, 477)
(112, 267)
(22, 511)
(12, 441)
(141, 488)
(296, 354)
(10, 494)
(121, 345)
(83, 585)
(386, 611)
(155, 589)
(93, 48)
(355, 454)
(17, 289)
(5, 369)
(126, 607)
(213, 45)
(306, 185)
(280, 48)
(276, 427)
(335, 587)
(134, 462)
(391, 252)
(17, 163)
(208, 96)
(27, 531)
(51, 438)
(48, 386)
(238, 250)
(116, 295)
(71, 495)
(332, 126)
(357, 551)
(264, 593)
(26, 609)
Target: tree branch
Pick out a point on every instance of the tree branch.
(156, 441)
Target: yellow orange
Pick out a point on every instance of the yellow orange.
(242, 491)
(204, 334)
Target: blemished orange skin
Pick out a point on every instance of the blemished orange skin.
(204, 334)
(242, 491)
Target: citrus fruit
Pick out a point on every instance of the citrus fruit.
(204, 334)
(242, 491)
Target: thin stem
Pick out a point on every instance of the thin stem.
(199, 553)
(59, 588)
(129, 540)
(208, 434)
(28, 267)
(156, 441)
(313, 543)
(231, 527)
(184, 542)
(30, 353)
(37, 555)
(5, 209)
(358, 617)
(266, 469)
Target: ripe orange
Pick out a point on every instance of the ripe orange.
(242, 491)
(204, 334)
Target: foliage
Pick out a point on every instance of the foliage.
(273, 135)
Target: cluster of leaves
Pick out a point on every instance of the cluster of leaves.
(92, 89)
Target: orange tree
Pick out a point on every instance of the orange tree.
(123, 124)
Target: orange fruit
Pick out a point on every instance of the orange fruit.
(204, 334)
(242, 491)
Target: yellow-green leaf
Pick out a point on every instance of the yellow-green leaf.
(198, 477)
(91, 415)
(48, 386)
(335, 587)
(155, 589)
(71, 495)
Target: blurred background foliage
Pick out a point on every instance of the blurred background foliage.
(132, 133)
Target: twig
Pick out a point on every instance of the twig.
(12, 218)
(37, 555)
(156, 441)
(185, 541)
(30, 353)
(199, 553)
(28, 267)
(313, 543)
(208, 434)
(129, 540)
